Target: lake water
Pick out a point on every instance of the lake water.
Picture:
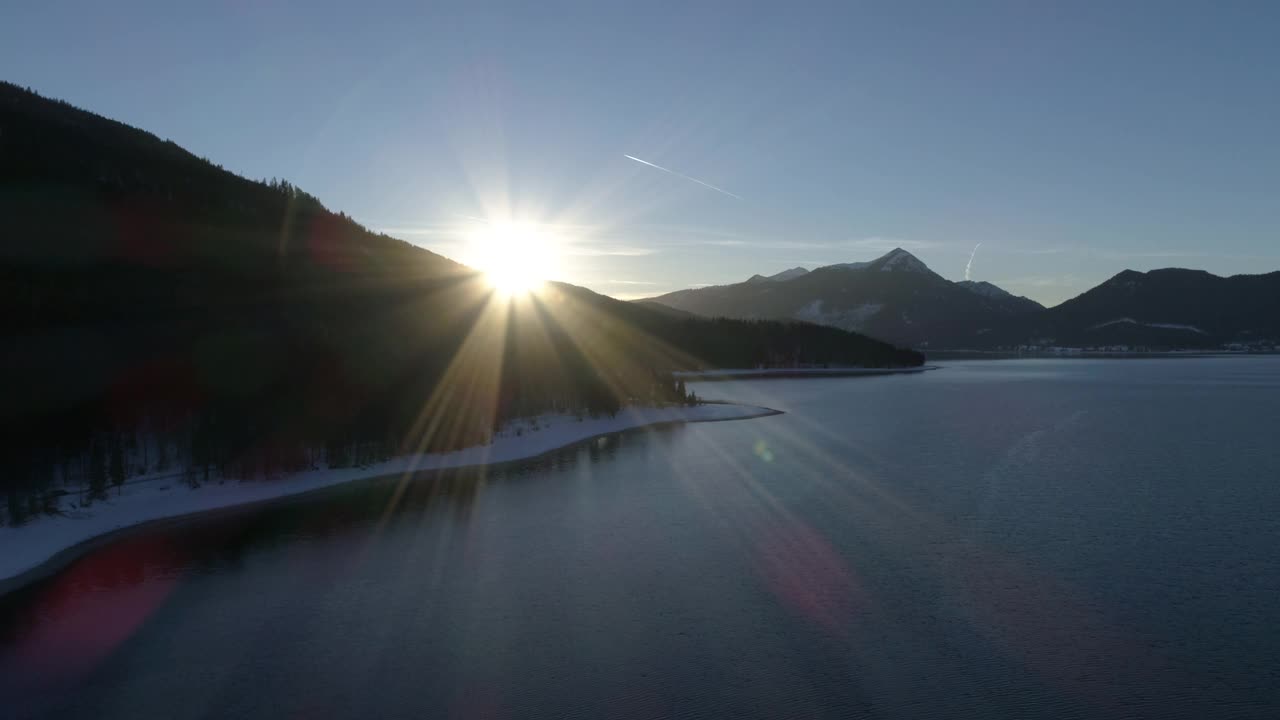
(1000, 539)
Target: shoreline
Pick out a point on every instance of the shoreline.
(63, 541)
(1070, 353)
(762, 373)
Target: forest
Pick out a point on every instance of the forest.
(162, 314)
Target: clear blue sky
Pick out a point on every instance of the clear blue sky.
(1071, 139)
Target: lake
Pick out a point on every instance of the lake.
(993, 539)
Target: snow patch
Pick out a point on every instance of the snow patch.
(1117, 321)
(854, 318)
(1176, 326)
(1166, 326)
(799, 372)
(27, 546)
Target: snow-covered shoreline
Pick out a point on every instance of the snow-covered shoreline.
(25, 549)
(752, 373)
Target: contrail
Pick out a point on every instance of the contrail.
(686, 177)
(970, 263)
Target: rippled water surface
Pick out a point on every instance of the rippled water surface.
(1039, 538)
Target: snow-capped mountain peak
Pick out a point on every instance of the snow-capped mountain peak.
(900, 260)
(896, 260)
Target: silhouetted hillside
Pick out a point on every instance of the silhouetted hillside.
(722, 342)
(1171, 308)
(987, 290)
(895, 297)
(148, 295)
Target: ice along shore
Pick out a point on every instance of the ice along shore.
(41, 547)
(814, 372)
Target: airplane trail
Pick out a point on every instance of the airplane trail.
(682, 175)
(970, 263)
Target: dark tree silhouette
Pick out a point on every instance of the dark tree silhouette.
(97, 472)
(243, 329)
(116, 469)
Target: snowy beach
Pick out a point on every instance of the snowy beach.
(27, 547)
(754, 373)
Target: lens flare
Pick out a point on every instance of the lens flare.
(516, 258)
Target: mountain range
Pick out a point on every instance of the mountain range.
(897, 298)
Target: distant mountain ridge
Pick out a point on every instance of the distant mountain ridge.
(1171, 307)
(791, 274)
(987, 290)
(896, 297)
(893, 296)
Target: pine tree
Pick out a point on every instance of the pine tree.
(116, 469)
(132, 449)
(17, 513)
(336, 455)
(97, 472)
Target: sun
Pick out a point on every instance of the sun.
(516, 258)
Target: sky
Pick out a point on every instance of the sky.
(1072, 140)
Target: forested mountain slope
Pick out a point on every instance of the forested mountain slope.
(895, 297)
(147, 295)
(1169, 308)
(898, 298)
